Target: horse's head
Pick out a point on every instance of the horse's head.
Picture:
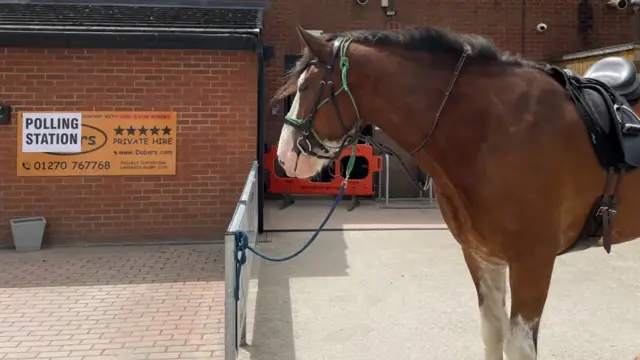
(323, 115)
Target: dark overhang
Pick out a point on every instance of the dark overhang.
(132, 24)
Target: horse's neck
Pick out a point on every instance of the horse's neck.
(402, 98)
(405, 110)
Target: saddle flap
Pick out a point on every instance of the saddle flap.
(598, 108)
(630, 143)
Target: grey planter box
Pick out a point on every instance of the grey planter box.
(28, 233)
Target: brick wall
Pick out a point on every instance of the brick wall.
(214, 93)
(501, 20)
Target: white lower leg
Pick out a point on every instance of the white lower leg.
(494, 320)
(520, 344)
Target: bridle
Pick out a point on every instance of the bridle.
(305, 143)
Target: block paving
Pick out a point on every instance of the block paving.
(113, 302)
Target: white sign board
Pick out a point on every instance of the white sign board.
(51, 132)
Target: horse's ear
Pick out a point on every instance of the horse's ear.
(317, 46)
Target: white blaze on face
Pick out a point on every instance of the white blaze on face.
(302, 166)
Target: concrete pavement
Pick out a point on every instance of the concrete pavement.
(360, 295)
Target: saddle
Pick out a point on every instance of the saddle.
(604, 97)
(620, 74)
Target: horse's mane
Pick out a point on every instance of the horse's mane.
(430, 40)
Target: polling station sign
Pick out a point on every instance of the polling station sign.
(45, 132)
(96, 143)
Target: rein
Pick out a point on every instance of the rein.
(452, 82)
(351, 137)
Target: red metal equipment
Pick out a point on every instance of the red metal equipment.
(355, 187)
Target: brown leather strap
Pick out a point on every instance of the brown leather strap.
(608, 208)
(606, 230)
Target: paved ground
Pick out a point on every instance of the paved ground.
(133, 302)
(353, 295)
(137, 302)
(407, 295)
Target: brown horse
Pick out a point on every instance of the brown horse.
(519, 152)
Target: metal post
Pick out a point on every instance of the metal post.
(245, 218)
(420, 199)
(230, 305)
(386, 174)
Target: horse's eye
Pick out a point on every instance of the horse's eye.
(303, 88)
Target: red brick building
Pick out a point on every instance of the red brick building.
(207, 72)
(203, 60)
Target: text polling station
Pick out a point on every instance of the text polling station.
(96, 143)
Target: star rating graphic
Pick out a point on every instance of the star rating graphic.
(142, 131)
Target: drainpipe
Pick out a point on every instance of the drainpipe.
(523, 20)
(635, 6)
(261, 133)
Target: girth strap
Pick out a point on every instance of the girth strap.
(599, 224)
(608, 205)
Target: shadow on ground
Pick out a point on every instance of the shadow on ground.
(307, 214)
(272, 335)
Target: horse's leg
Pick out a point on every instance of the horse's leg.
(490, 282)
(529, 280)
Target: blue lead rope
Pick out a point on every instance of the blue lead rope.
(242, 244)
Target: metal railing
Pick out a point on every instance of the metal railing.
(245, 218)
(420, 202)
